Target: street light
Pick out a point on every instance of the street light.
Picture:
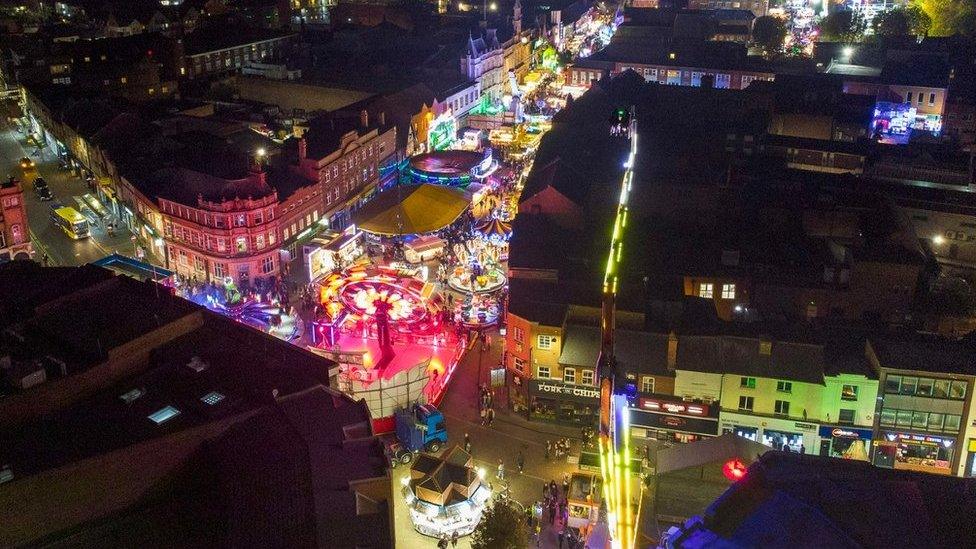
(848, 52)
(261, 152)
(938, 240)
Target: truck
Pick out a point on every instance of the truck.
(418, 428)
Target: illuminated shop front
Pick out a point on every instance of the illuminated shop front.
(970, 470)
(777, 433)
(558, 402)
(845, 442)
(442, 132)
(670, 419)
(915, 452)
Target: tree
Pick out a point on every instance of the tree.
(844, 26)
(769, 33)
(892, 23)
(950, 17)
(502, 526)
(918, 20)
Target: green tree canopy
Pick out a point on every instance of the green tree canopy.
(502, 526)
(844, 26)
(950, 17)
(893, 22)
(769, 33)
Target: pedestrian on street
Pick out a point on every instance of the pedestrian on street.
(490, 416)
(552, 488)
(454, 538)
(520, 461)
(467, 443)
(548, 450)
(442, 543)
(501, 469)
(562, 535)
(484, 415)
(552, 514)
(545, 492)
(565, 485)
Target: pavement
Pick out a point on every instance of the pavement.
(68, 190)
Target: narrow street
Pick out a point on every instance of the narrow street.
(68, 191)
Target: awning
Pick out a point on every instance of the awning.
(411, 209)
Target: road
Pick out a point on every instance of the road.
(68, 190)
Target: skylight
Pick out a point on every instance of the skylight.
(211, 398)
(133, 395)
(164, 414)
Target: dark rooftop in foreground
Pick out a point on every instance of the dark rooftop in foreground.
(794, 500)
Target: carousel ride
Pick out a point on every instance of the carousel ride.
(478, 269)
(268, 316)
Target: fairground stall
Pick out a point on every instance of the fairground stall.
(445, 495)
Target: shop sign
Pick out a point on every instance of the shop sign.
(674, 407)
(567, 390)
(845, 432)
(659, 420)
(805, 426)
(924, 439)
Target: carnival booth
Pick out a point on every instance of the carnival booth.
(411, 209)
(496, 233)
(424, 248)
(446, 495)
(334, 252)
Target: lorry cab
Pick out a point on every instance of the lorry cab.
(419, 428)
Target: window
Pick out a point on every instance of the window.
(219, 270)
(935, 421)
(784, 387)
(888, 417)
(903, 418)
(545, 342)
(849, 392)
(519, 365)
(908, 97)
(519, 335)
(745, 403)
(747, 382)
(940, 389)
(164, 414)
(728, 291)
(908, 385)
(259, 241)
(241, 244)
(951, 423)
(782, 408)
(211, 398)
(705, 290)
(957, 390)
(544, 372)
(588, 377)
(924, 387)
(647, 384)
(267, 265)
(569, 375)
(918, 420)
(893, 384)
(240, 220)
(932, 99)
(845, 417)
(131, 396)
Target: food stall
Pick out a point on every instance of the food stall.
(424, 248)
(334, 252)
(440, 509)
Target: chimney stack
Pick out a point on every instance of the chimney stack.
(382, 118)
(672, 351)
(302, 149)
(364, 119)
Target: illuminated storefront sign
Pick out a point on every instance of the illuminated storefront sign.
(923, 439)
(668, 422)
(674, 407)
(564, 389)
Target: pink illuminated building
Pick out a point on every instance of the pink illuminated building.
(14, 242)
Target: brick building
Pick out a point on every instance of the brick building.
(14, 237)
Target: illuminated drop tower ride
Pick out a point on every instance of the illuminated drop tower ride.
(614, 440)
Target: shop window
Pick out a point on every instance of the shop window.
(952, 423)
(903, 418)
(546, 342)
(908, 385)
(919, 420)
(957, 390)
(544, 372)
(705, 290)
(728, 291)
(569, 375)
(518, 334)
(888, 417)
(647, 384)
(935, 421)
(782, 408)
(849, 393)
(745, 403)
(924, 387)
(845, 417)
(587, 377)
(784, 387)
(267, 265)
(747, 382)
(940, 389)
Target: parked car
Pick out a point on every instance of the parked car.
(44, 193)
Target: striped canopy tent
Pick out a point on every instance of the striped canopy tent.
(495, 230)
(411, 209)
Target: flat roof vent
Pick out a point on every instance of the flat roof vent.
(197, 364)
(129, 397)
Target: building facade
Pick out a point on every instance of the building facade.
(14, 233)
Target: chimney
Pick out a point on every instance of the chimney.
(382, 118)
(672, 351)
(302, 149)
(364, 119)
(257, 171)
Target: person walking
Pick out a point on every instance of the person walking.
(454, 538)
(467, 443)
(548, 450)
(520, 461)
(501, 469)
(490, 416)
(442, 543)
(562, 536)
(565, 485)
